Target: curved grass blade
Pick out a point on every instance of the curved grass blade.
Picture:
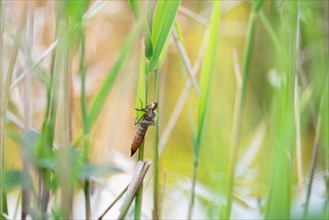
(161, 28)
(205, 82)
(76, 10)
(111, 76)
(137, 9)
(95, 8)
(141, 87)
(279, 198)
(207, 70)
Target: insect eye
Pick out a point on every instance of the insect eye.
(155, 105)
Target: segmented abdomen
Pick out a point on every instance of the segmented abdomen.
(138, 138)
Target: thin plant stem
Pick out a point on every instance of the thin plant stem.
(203, 100)
(279, 197)
(37, 63)
(235, 138)
(186, 60)
(182, 99)
(139, 194)
(193, 15)
(11, 65)
(2, 109)
(113, 203)
(163, 192)
(155, 212)
(97, 6)
(271, 33)
(194, 177)
(83, 89)
(28, 101)
(297, 114)
(313, 164)
(315, 153)
(47, 127)
(5, 83)
(86, 129)
(64, 119)
(86, 191)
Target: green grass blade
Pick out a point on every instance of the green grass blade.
(325, 116)
(279, 197)
(161, 28)
(247, 57)
(258, 5)
(83, 103)
(105, 89)
(208, 65)
(94, 9)
(76, 10)
(271, 33)
(141, 100)
(2, 112)
(63, 92)
(4, 87)
(235, 142)
(155, 211)
(84, 114)
(141, 87)
(139, 14)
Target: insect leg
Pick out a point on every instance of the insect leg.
(141, 103)
(141, 118)
(141, 110)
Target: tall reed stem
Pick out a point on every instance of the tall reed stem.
(86, 128)
(2, 108)
(315, 153)
(5, 83)
(139, 194)
(235, 140)
(28, 101)
(194, 178)
(156, 213)
(208, 65)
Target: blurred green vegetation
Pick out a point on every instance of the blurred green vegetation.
(243, 117)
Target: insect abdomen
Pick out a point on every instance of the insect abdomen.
(139, 136)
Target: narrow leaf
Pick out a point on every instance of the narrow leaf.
(141, 87)
(207, 68)
(111, 76)
(139, 14)
(163, 18)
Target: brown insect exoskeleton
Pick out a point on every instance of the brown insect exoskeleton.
(146, 120)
